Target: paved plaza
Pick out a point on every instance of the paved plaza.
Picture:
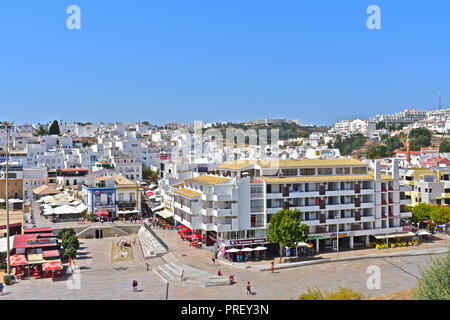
(99, 278)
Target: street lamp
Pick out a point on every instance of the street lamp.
(7, 125)
(338, 218)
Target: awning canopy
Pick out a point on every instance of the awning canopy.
(50, 253)
(18, 260)
(53, 265)
(165, 214)
(394, 235)
(157, 208)
(195, 236)
(423, 233)
(149, 193)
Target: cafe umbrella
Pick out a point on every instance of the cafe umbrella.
(195, 236)
(18, 260)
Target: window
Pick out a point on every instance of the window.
(359, 170)
(325, 171)
(339, 170)
(308, 172)
(346, 170)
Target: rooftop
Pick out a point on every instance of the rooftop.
(187, 193)
(207, 179)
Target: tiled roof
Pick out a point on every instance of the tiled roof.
(208, 179)
(187, 193)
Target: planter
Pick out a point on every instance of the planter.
(8, 279)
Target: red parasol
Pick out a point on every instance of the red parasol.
(149, 193)
(145, 187)
(180, 226)
(102, 213)
(18, 260)
(186, 229)
(53, 265)
(195, 236)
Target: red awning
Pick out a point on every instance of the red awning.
(186, 229)
(54, 265)
(145, 187)
(195, 236)
(38, 230)
(18, 260)
(45, 235)
(50, 253)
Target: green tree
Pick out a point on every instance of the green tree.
(444, 146)
(380, 125)
(54, 128)
(41, 131)
(434, 282)
(440, 214)
(286, 228)
(420, 137)
(65, 233)
(70, 252)
(420, 212)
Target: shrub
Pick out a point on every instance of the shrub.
(341, 294)
(8, 279)
(434, 282)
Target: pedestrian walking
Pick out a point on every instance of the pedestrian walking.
(1, 288)
(272, 266)
(213, 260)
(181, 275)
(248, 288)
(135, 284)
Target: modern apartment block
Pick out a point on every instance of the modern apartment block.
(427, 186)
(234, 206)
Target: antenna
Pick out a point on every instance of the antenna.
(439, 97)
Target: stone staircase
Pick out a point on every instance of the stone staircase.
(151, 247)
(171, 268)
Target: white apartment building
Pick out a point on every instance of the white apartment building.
(127, 166)
(33, 178)
(234, 207)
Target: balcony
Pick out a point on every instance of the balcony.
(222, 227)
(222, 212)
(126, 202)
(207, 211)
(208, 226)
(222, 197)
(405, 214)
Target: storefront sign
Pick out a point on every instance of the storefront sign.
(248, 241)
(341, 234)
(315, 236)
(407, 228)
(41, 241)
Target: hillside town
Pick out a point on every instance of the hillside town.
(217, 187)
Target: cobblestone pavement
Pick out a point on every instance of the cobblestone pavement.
(103, 279)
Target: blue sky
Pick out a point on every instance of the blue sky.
(222, 60)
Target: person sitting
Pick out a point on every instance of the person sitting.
(219, 273)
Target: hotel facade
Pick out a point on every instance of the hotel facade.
(234, 205)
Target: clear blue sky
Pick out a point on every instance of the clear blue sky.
(222, 60)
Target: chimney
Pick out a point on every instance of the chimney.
(377, 174)
(408, 151)
(395, 173)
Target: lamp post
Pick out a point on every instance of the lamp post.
(338, 218)
(6, 125)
